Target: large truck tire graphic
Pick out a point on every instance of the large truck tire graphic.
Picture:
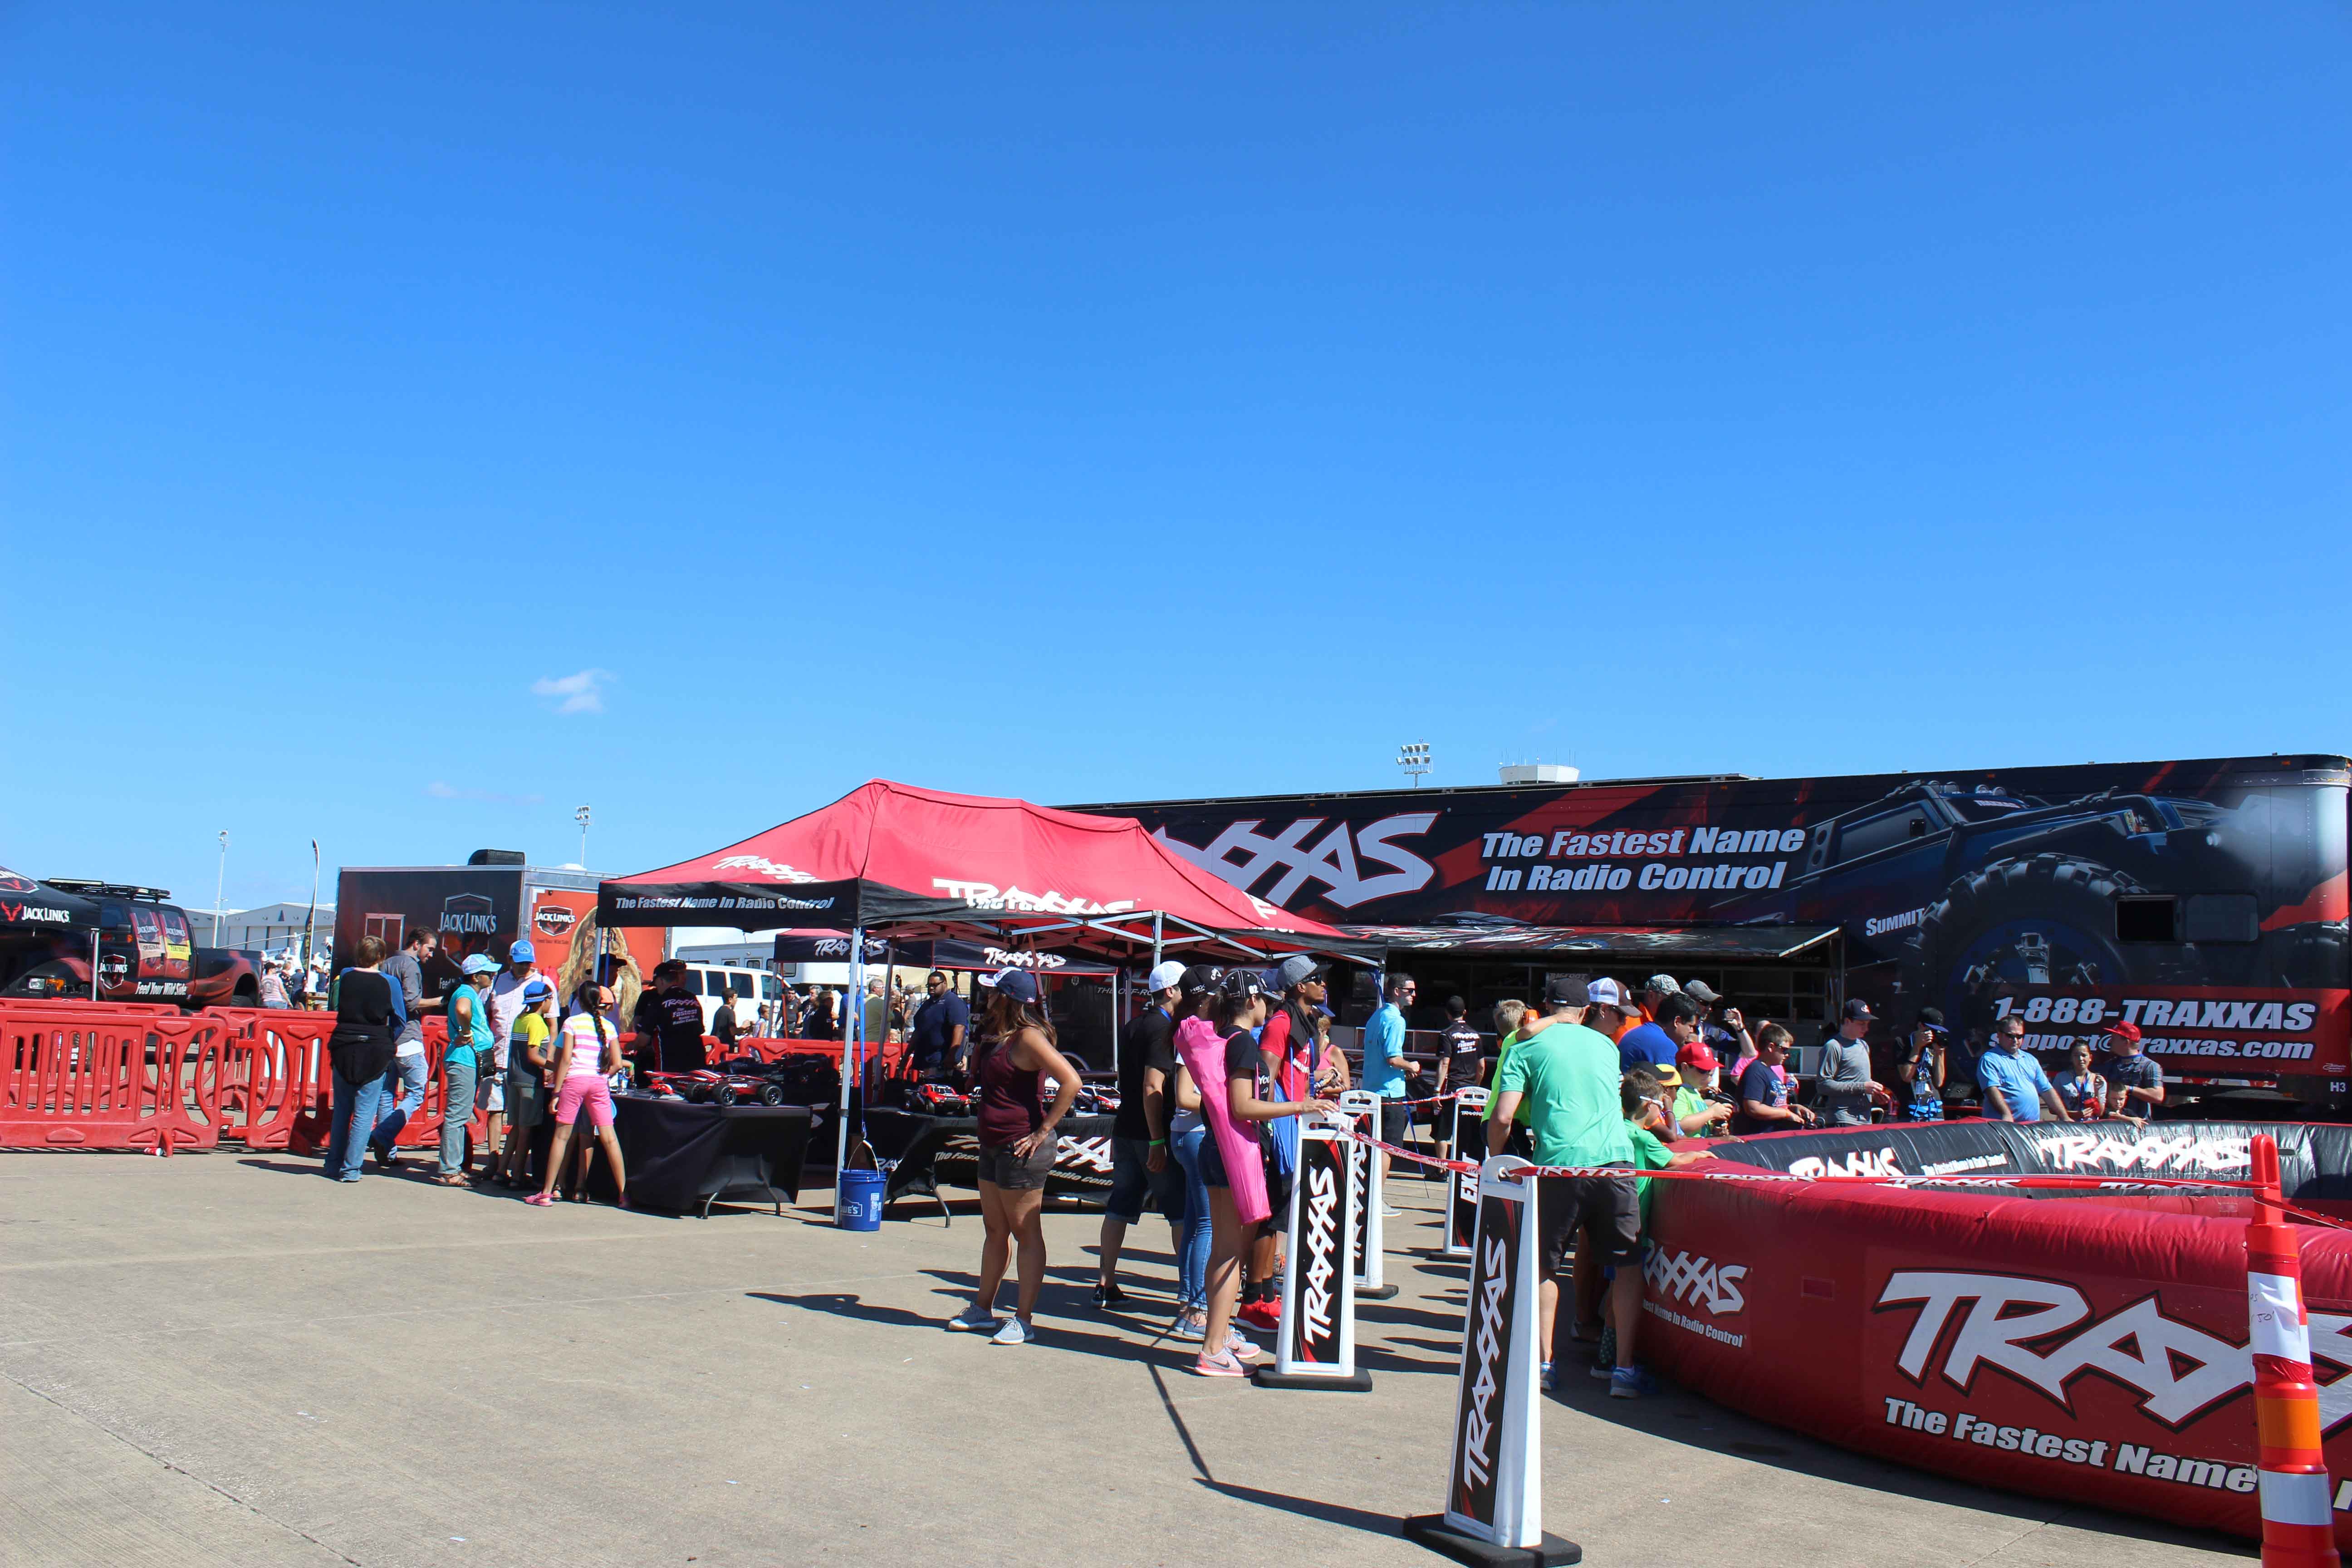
(2046, 920)
(2308, 957)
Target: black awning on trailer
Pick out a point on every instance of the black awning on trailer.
(1744, 942)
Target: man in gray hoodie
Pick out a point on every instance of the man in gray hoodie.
(1846, 1087)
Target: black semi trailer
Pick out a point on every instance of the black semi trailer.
(2204, 901)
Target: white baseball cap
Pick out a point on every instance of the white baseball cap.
(1604, 993)
(1164, 977)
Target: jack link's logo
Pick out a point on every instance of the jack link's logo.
(2178, 1371)
(1322, 1241)
(1698, 1281)
(1479, 1429)
(763, 865)
(1243, 856)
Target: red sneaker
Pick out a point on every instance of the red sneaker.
(1266, 1315)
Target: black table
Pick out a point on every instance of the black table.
(681, 1154)
(921, 1151)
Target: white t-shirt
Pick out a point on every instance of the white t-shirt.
(587, 1058)
(506, 1007)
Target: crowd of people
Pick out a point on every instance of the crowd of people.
(530, 1062)
(1221, 1066)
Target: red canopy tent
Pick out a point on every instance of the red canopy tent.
(926, 863)
(921, 862)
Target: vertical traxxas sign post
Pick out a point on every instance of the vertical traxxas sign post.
(1363, 1110)
(1461, 1206)
(1317, 1343)
(1493, 1489)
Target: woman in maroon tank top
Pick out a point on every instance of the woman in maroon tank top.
(1017, 1144)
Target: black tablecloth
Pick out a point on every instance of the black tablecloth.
(934, 1149)
(683, 1156)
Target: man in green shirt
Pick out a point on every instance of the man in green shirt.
(1565, 1078)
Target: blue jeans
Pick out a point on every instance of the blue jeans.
(404, 1091)
(1193, 1246)
(355, 1104)
(457, 1108)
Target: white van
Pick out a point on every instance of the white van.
(712, 981)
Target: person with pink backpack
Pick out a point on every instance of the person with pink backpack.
(1219, 1054)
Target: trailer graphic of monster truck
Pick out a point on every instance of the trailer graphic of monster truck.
(2104, 890)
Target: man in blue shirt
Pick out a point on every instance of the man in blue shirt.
(941, 1023)
(2015, 1087)
(1385, 1068)
(1655, 1045)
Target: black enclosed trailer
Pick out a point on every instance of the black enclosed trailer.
(2205, 901)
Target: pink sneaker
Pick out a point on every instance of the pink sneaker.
(540, 1200)
(1221, 1365)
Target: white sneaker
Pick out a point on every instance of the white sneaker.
(972, 1321)
(1015, 1332)
(1390, 1210)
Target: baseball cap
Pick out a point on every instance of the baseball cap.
(481, 963)
(1560, 991)
(1858, 1008)
(1241, 984)
(1698, 1056)
(1670, 1077)
(1296, 970)
(523, 952)
(1604, 993)
(1931, 1018)
(1700, 990)
(1164, 976)
(1019, 984)
(538, 990)
(1662, 984)
(1197, 979)
(2126, 1030)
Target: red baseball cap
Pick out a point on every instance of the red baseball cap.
(2126, 1030)
(1696, 1055)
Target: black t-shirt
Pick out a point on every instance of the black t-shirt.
(2135, 1072)
(1765, 1087)
(935, 1024)
(1244, 1058)
(1466, 1048)
(1149, 1042)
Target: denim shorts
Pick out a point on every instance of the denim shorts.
(1002, 1166)
(1133, 1186)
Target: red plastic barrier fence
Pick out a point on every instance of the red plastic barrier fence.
(77, 1077)
(277, 1074)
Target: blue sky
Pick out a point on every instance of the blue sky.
(419, 424)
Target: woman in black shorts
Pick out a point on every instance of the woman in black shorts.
(1017, 1144)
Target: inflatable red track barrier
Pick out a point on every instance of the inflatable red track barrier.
(2092, 1347)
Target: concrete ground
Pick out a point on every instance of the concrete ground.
(227, 1359)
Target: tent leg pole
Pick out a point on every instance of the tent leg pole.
(853, 1025)
(1156, 918)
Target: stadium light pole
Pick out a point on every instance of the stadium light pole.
(581, 817)
(219, 883)
(1413, 758)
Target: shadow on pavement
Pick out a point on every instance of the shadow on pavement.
(1330, 1512)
